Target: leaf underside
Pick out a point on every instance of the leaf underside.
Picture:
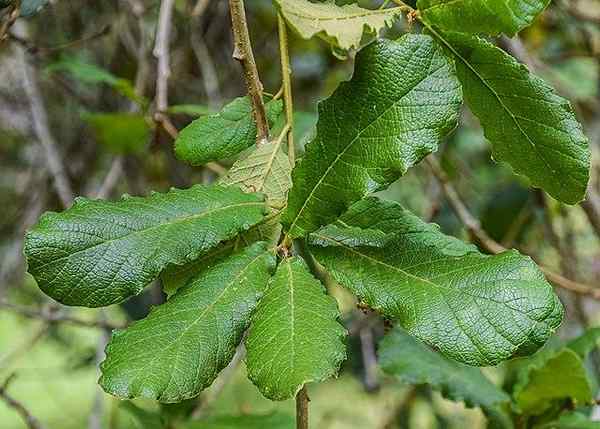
(294, 337)
(99, 253)
(482, 16)
(403, 98)
(342, 26)
(474, 308)
(180, 348)
(529, 126)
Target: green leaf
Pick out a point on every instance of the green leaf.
(413, 362)
(481, 16)
(551, 377)
(121, 133)
(98, 253)
(342, 26)
(555, 374)
(92, 74)
(403, 98)
(474, 308)
(586, 342)
(222, 135)
(180, 348)
(267, 170)
(175, 277)
(245, 421)
(294, 337)
(571, 420)
(529, 126)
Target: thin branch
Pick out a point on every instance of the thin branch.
(9, 19)
(286, 72)
(95, 418)
(369, 358)
(205, 62)
(591, 207)
(28, 418)
(243, 53)
(47, 50)
(56, 317)
(112, 178)
(302, 401)
(200, 8)
(474, 228)
(41, 125)
(162, 54)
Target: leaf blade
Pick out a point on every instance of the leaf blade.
(198, 331)
(222, 135)
(296, 320)
(479, 16)
(98, 253)
(474, 308)
(406, 97)
(529, 126)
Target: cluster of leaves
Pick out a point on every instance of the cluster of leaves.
(552, 389)
(215, 247)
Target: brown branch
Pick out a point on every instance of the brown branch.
(204, 59)
(474, 228)
(200, 8)
(302, 401)
(47, 50)
(28, 418)
(10, 18)
(162, 54)
(243, 53)
(111, 180)
(591, 207)
(52, 316)
(41, 125)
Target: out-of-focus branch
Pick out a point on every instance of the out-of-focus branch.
(242, 52)
(286, 72)
(474, 228)
(111, 180)
(9, 19)
(28, 418)
(205, 62)
(200, 7)
(53, 316)
(41, 125)
(95, 418)
(591, 207)
(162, 54)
